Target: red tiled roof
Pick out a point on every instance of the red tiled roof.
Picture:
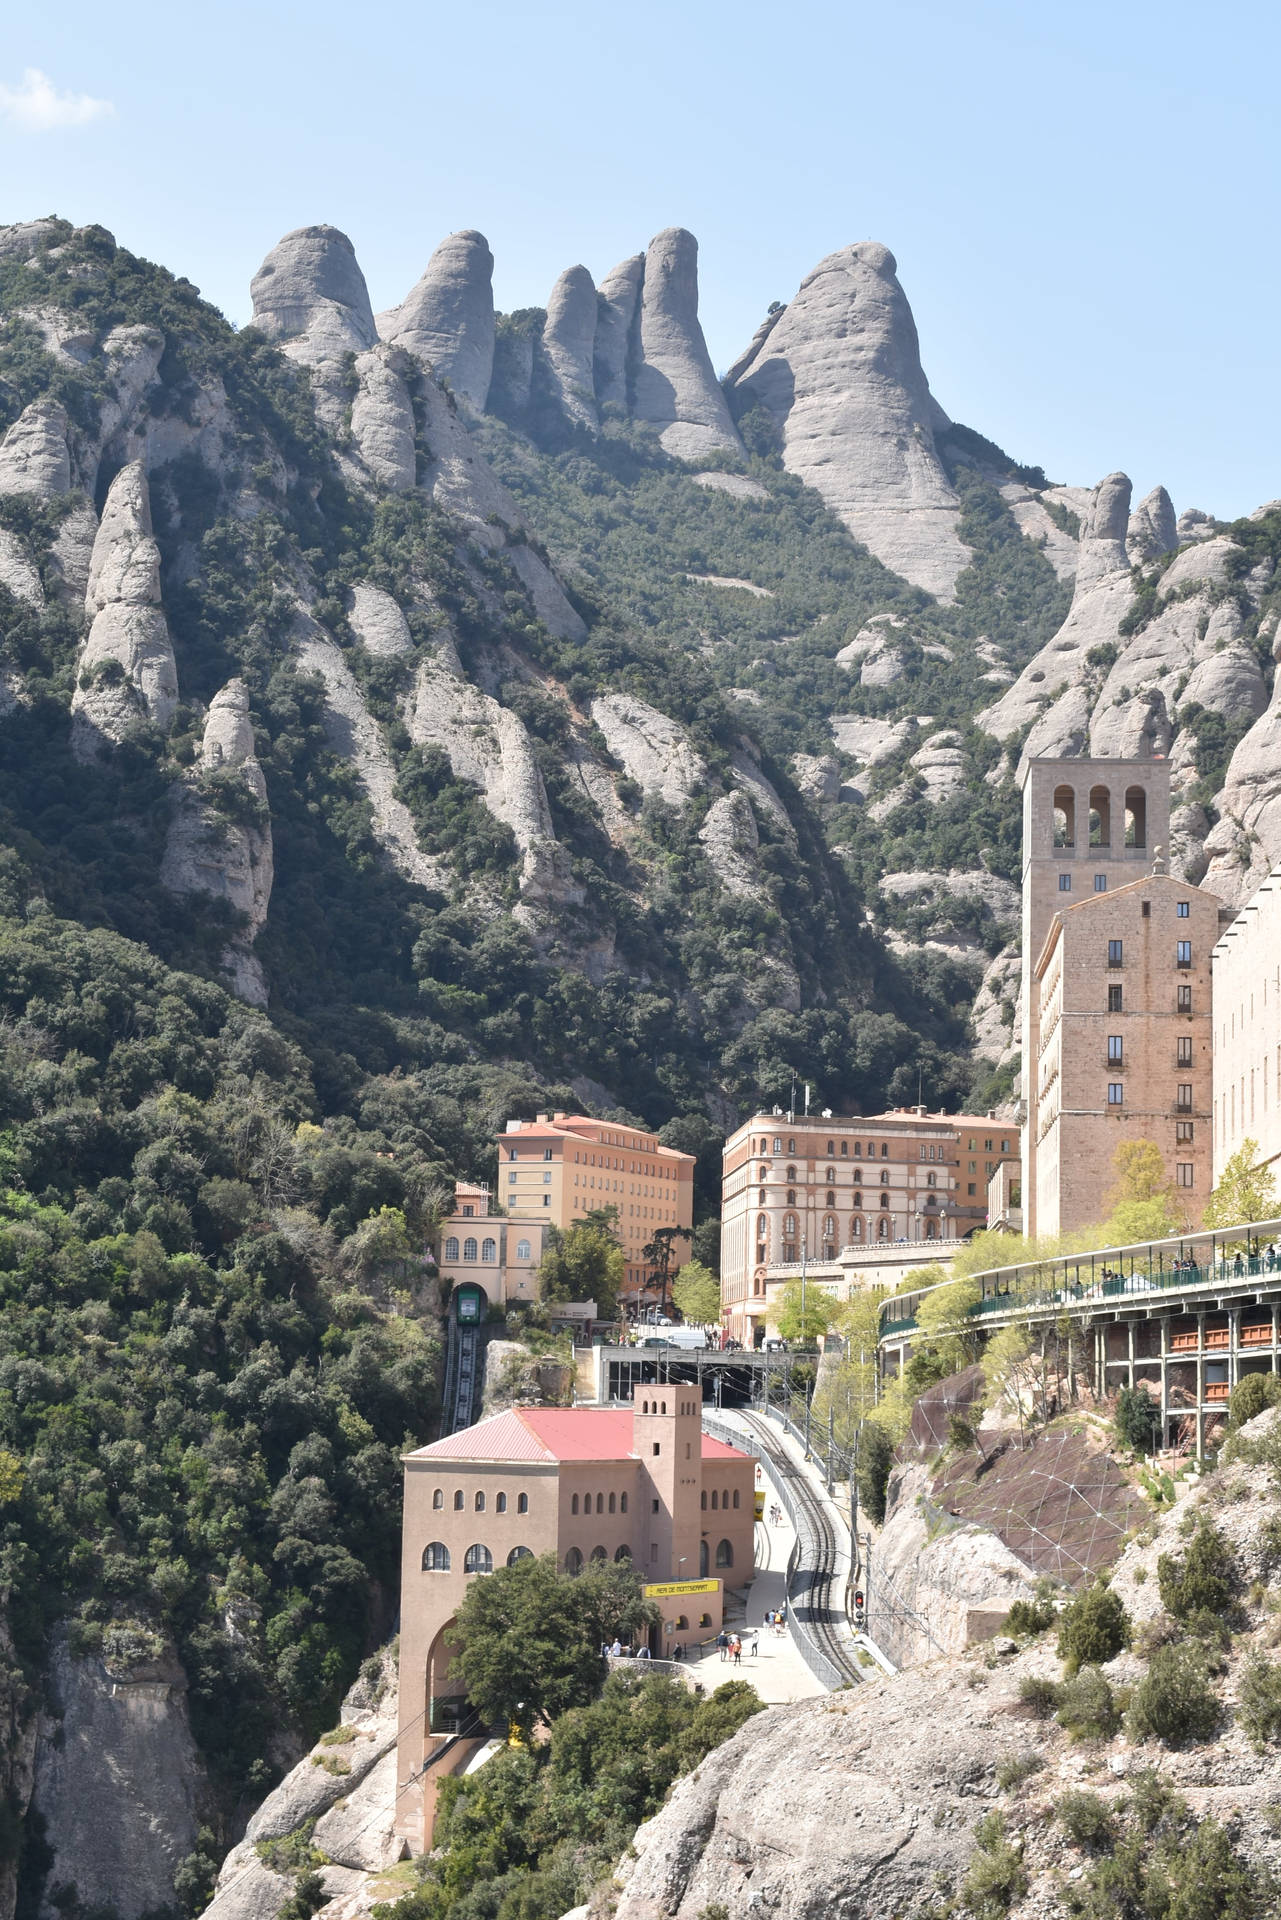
(549, 1434)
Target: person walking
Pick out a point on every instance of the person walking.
(642, 1652)
(736, 1651)
(616, 1650)
(722, 1641)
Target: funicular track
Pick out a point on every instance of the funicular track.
(815, 1602)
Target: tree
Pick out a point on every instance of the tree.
(1094, 1628)
(1138, 1419)
(696, 1293)
(1143, 1200)
(1245, 1192)
(805, 1325)
(943, 1326)
(528, 1637)
(658, 1255)
(875, 1463)
(1011, 1366)
(585, 1262)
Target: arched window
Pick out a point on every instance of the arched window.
(573, 1504)
(1064, 817)
(451, 1247)
(522, 1503)
(622, 1503)
(1100, 817)
(885, 1199)
(702, 1559)
(931, 1230)
(458, 1500)
(885, 1176)
(478, 1560)
(519, 1553)
(736, 1496)
(829, 1235)
(611, 1502)
(791, 1196)
(624, 1553)
(791, 1146)
(500, 1503)
(480, 1503)
(1136, 817)
(682, 1623)
(573, 1561)
(858, 1199)
(438, 1498)
(522, 1250)
(599, 1553)
(703, 1499)
(704, 1619)
(762, 1236)
(436, 1557)
(856, 1227)
(724, 1554)
(829, 1198)
(858, 1176)
(600, 1503)
(714, 1500)
(489, 1252)
(882, 1229)
(469, 1249)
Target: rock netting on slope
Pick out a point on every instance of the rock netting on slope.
(839, 373)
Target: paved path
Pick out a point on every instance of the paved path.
(776, 1670)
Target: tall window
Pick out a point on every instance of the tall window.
(573, 1561)
(1183, 910)
(1184, 1100)
(522, 1503)
(1116, 1047)
(522, 1250)
(436, 1557)
(1184, 999)
(1100, 883)
(478, 1560)
(1183, 953)
(451, 1247)
(1065, 883)
(1183, 1132)
(1183, 1173)
(1115, 954)
(1116, 1094)
(724, 1554)
(1184, 1047)
(469, 1249)
(1114, 999)
(489, 1252)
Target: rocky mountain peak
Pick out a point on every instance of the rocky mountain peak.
(448, 317)
(1153, 530)
(676, 386)
(35, 456)
(617, 306)
(569, 341)
(310, 295)
(838, 371)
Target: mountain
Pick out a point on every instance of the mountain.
(410, 720)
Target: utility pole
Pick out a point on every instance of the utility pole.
(854, 1500)
(831, 1443)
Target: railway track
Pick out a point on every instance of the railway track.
(814, 1603)
(461, 1377)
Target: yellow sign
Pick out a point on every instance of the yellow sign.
(662, 1588)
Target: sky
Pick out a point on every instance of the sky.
(1081, 199)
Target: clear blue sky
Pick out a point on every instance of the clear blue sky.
(1082, 198)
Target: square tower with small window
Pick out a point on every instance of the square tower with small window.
(1089, 827)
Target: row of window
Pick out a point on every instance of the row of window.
(884, 1231)
(600, 1503)
(831, 1148)
(1182, 952)
(460, 1501)
(1182, 1097)
(1116, 998)
(1182, 1049)
(1099, 817)
(724, 1499)
(488, 1252)
(477, 1559)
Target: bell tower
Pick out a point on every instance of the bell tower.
(667, 1435)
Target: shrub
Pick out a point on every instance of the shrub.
(1087, 1706)
(1138, 1418)
(1087, 1818)
(1152, 1801)
(1016, 1768)
(1029, 1617)
(1095, 1627)
(1252, 1395)
(1202, 1583)
(1259, 1702)
(996, 1878)
(1041, 1697)
(1174, 1700)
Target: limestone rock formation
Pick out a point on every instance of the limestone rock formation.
(377, 621)
(617, 341)
(1038, 525)
(569, 340)
(219, 839)
(118, 1781)
(840, 375)
(817, 776)
(1245, 841)
(654, 750)
(448, 317)
(1152, 530)
(738, 485)
(309, 295)
(487, 744)
(35, 457)
(676, 386)
(382, 419)
(729, 838)
(126, 672)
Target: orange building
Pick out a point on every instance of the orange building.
(641, 1483)
(560, 1167)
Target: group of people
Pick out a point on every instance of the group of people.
(731, 1646)
(620, 1652)
(777, 1619)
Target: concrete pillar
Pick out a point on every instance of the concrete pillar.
(1130, 1343)
(1165, 1380)
(1234, 1341)
(1200, 1386)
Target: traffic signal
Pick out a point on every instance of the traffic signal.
(860, 1609)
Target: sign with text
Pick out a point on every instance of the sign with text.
(662, 1588)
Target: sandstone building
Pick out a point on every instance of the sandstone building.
(559, 1167)
(794, 1188)
(640, 1483)
(498, 1254)
(1246, 968)
(1116, 990)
